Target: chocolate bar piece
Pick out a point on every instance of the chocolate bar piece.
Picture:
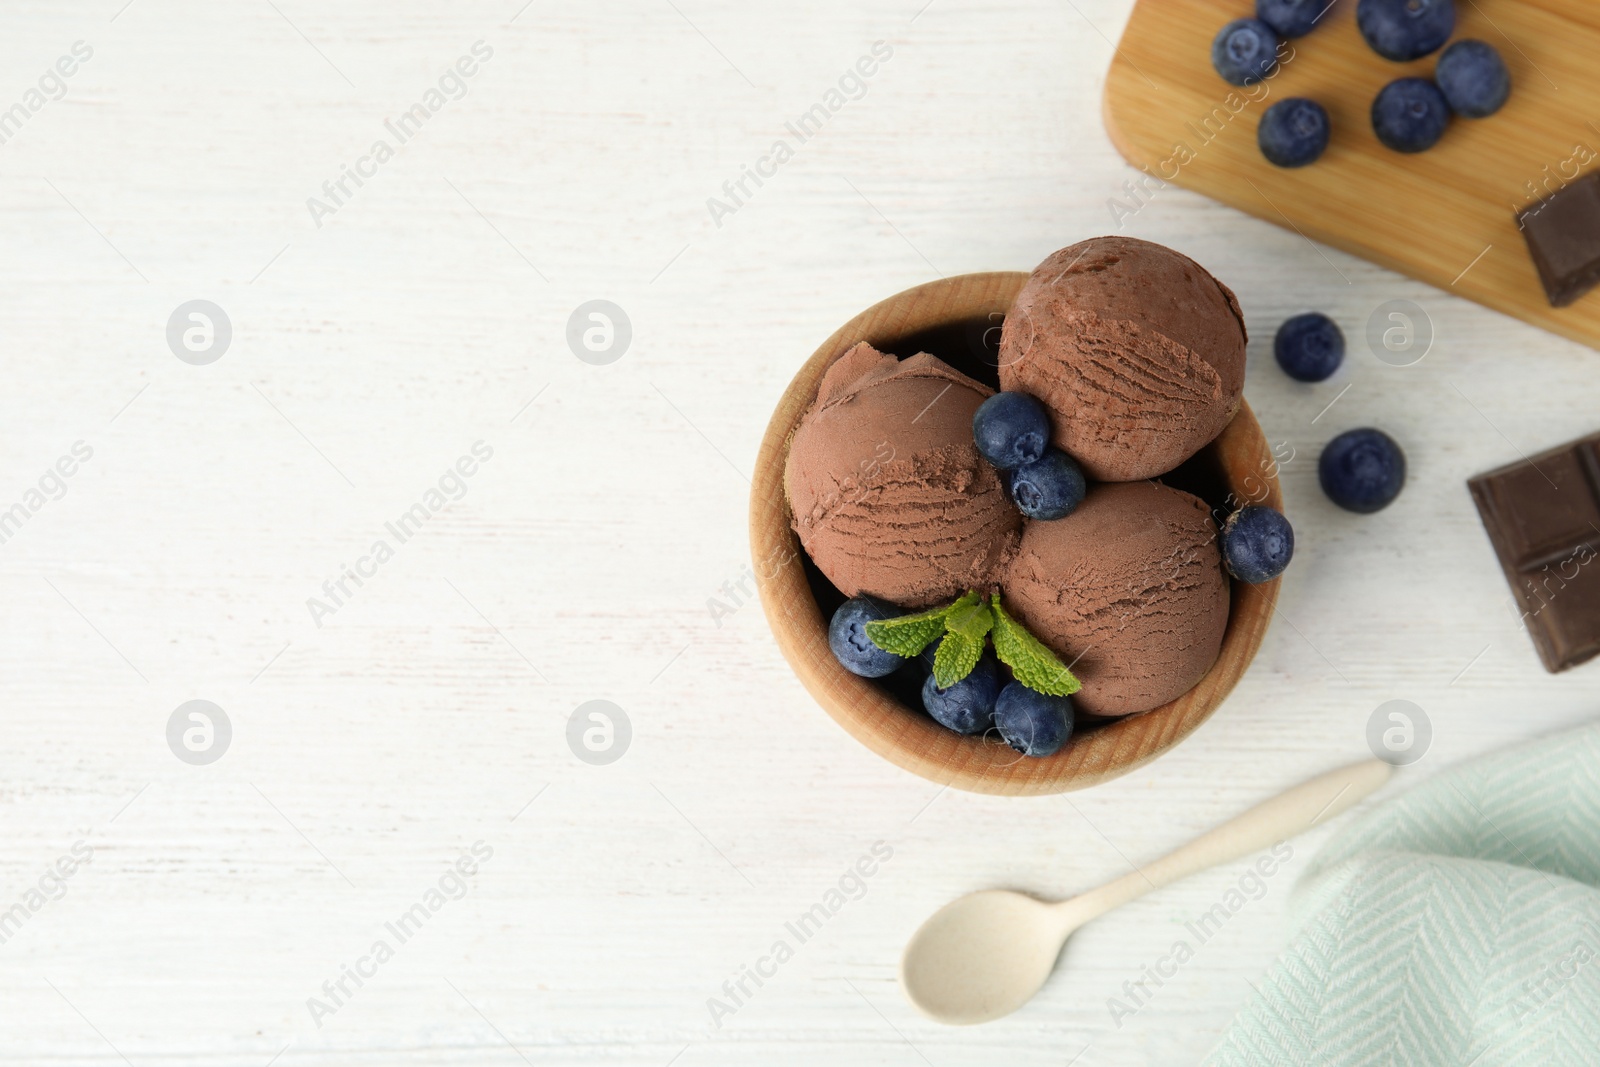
(1563, 235)
(1543, 516)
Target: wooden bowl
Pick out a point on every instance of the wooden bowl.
(957, 320)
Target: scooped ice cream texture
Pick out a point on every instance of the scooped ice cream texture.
(889, 494)
(1128, 590)
(1137, 351)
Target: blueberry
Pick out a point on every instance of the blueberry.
(1257, 544)
(1404, 30)
(1362, 470)
(1031, 722)
(1293, 132)
(1410, 114)
(847, 637)
(1473, 78)
(1048, 489)
(1244, 51)
(1309, 347)
(1291, 18)
(1011, 430)
(968, 706)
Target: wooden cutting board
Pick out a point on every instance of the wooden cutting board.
(1445, 215)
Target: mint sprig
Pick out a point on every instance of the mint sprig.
(964, 624)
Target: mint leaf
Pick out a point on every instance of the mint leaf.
(908, 635)
(1034, 665)
(972, 621)
(965, 600)
(956, 657)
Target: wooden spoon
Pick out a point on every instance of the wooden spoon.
(986, 954)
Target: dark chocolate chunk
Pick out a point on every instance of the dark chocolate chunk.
(1563, 235)
(1543, 517)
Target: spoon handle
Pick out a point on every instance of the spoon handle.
(1264, 825)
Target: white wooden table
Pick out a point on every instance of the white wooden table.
(375, 740)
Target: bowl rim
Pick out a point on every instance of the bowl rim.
(906, 736)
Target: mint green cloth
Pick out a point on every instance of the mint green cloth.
(1458, 924)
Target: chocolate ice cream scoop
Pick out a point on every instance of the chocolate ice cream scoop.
(1128, 590)
(1137, 351)
(889, 494)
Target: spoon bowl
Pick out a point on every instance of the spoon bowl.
(981, 956)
